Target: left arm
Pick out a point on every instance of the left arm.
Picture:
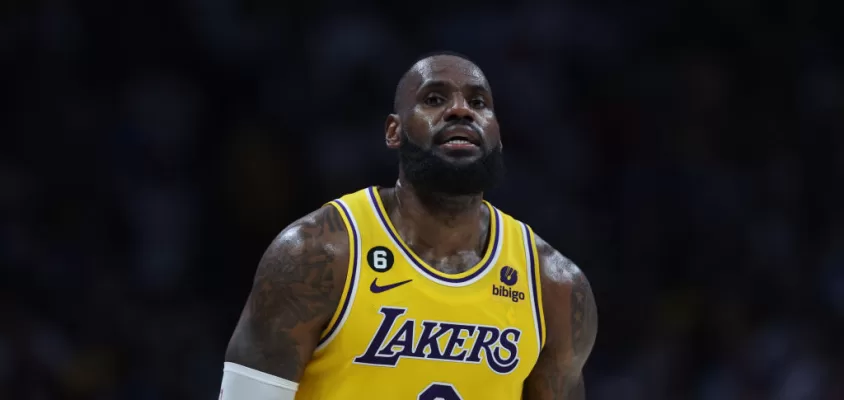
(571, 320)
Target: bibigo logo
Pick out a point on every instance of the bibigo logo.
(509, 277)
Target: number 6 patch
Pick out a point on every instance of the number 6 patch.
(380, 259)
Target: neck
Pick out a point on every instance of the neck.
(439, 208)
(436, 223)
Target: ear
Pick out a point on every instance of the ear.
(392, 131)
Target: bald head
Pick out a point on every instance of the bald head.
(444, 127)
(428, 66)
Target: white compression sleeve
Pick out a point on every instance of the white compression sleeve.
(243, 383)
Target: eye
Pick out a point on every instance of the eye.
(434, 100)
(478, 103)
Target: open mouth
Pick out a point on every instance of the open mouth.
(459, 141)
(458, 144)
(460, 138)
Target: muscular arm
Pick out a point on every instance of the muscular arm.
(296, 289)
(571, 319)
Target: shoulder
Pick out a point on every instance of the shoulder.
(313, 250)
(324, 224)
(571, 323)
(555, 268)
(317, 239)
(296, 289)
(568, 302)
(557, 272)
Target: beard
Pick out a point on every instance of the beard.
(433, 174)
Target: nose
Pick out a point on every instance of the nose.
(459, 109)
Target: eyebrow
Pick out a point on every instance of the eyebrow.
(437, 84)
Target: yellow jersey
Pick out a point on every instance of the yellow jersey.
(404, 330)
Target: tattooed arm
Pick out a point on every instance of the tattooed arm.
(571, 320)
(296, 290)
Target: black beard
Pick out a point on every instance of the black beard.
(432, 174)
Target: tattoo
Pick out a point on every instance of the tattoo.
(294, 294)
(571, 319)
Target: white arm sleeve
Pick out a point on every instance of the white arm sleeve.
(243, 383)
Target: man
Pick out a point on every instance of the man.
(421, 291)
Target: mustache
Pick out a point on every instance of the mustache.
(460, 122)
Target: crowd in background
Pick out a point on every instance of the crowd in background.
(687, 157)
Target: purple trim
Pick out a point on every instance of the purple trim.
(347, 299)
(533, 281)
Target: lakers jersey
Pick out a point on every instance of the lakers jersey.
(404, 330)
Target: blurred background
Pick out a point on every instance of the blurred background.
(687, 156)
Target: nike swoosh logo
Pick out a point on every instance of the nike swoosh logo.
(374, 288)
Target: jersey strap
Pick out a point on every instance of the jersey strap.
(532, 258)
(352, 275)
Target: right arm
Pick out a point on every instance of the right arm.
(295, 293)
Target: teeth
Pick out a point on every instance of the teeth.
(460, 141)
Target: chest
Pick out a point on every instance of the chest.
(400, 317)
(452, 264)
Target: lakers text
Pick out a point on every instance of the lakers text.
(443, 341)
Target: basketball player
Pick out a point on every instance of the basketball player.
(420, 291)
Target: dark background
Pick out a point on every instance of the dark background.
(687, 156)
